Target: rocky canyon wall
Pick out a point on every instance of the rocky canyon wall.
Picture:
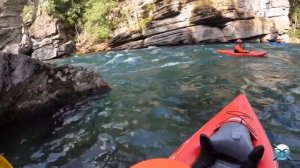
(189, 22)
(44, 38)
(170, 22)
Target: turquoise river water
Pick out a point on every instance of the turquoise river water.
(160, 96)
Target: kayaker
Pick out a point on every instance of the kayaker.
(240, 47)
(275, 37)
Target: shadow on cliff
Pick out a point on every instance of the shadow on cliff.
(234, 23)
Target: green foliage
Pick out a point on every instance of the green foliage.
(96, 18)
(28, 14)
(146, 17)
(295, 18)
(294, 33)
(144, 23)
(90, 15)
(201, 5)
(295, 7)
(70, 11)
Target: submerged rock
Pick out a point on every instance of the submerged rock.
(29, 87)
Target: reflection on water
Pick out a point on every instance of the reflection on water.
(160, 97)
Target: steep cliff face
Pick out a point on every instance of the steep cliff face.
(11, 24)
(188, 22)
(44, 38)
(48, 36)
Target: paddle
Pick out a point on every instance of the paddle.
(160, 163)
(4, 163)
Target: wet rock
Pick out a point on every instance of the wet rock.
(29, 87)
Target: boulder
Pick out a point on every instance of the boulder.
(66, 49)
(29, 87)
(175, 37)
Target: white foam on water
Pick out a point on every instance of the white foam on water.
(296, 90)
(154, 52)
(175, 63)
(112, 61)
(131, 59)
(151, 47)
(179, 54)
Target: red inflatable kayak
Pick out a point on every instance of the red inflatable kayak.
(236, 121)
(250, 54)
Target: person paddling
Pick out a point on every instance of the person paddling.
(240, 47)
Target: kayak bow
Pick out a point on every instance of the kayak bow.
(239, 111)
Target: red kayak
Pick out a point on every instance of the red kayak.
(249, 54)
(235, 131)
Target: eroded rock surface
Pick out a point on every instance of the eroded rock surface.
(29, 87)
(191, 21)
(45, 38)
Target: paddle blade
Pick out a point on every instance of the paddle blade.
(4, 163)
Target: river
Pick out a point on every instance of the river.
(160, 96)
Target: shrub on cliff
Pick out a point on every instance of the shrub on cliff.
(84, 15)
(28, 14)
(295, 17)
(69, 11)
(96, 18)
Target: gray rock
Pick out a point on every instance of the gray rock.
(42, 43)
(167, 10)
(66, 49)
(124, 38)
(26, 45)
(207, 34)
(45, 53)
(175, 37)
(130, 45)
(29, 87)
